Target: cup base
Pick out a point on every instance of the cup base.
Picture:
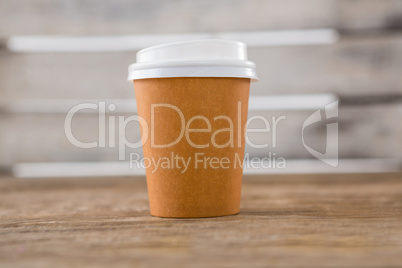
(194, 216)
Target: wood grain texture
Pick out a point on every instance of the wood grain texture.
(41, 138)
(153, 16)
(354, 66)
(285, 221)
(80, 17)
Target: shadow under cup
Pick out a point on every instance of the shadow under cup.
(193, 139)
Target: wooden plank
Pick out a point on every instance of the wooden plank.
(364, 132)
(128, 17)
(351, 67)
(286, 221)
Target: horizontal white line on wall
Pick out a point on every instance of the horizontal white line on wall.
(122, 168)
(137, 42)
(256, 103)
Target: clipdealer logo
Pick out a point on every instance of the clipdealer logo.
(118, 125)
(330, 156)
(234, 128)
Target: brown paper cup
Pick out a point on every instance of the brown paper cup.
(199, 173)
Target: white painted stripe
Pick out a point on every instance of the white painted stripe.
(122, 168)
(256, 103)
(137, 42)
(75, 169)
(291, 102)
(284, 37)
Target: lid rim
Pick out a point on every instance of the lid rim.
(190, 63)
(197, 71)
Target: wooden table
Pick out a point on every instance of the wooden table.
(285, 221)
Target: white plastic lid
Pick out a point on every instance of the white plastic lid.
(201, 58)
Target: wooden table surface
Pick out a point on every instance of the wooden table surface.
(285, 221)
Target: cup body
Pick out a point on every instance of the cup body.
(193, 135)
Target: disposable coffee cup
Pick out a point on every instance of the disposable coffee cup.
(192, 102)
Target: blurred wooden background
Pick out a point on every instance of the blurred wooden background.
(363, 68)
